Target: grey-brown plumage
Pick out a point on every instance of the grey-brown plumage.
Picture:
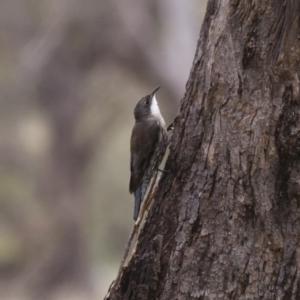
(147, 147)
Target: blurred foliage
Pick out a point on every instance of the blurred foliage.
(70, 75)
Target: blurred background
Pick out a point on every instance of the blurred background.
(71, 73)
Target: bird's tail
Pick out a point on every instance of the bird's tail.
(137, 202)
(139, 195)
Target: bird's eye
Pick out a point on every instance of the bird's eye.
(147, 102)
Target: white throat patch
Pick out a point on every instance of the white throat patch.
(155, 110)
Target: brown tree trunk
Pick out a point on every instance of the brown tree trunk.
(225, 223)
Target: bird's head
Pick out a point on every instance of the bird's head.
(147, 107)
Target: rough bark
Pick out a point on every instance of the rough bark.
(225, 223)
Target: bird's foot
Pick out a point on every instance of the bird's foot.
(170, 127)
(164, 171)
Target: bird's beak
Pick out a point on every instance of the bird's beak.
(155, 90)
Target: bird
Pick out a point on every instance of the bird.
(148, 145)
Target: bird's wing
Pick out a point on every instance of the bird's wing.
(142, 146)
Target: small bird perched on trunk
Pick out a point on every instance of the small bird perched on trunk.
(147, 147)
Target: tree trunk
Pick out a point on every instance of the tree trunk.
(224, 223)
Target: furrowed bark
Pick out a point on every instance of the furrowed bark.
(225, 223)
